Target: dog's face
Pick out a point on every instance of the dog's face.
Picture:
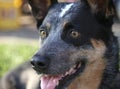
(72, 38)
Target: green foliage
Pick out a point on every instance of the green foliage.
(13, 55)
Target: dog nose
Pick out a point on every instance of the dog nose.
(39, 62)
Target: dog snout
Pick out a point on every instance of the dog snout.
(39, 62)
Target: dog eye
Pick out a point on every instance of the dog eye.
(74, 34)
(43, 34)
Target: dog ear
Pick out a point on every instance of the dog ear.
(103, 10)
(104, 7)
(40, 7)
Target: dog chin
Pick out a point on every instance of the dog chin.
(60, 80)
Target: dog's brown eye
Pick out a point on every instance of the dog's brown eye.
(74, 34)
(43, 34)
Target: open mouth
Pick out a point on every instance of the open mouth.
(61, 80)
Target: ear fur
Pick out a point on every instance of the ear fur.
(105, 7)
(40, 8)
(103, 10)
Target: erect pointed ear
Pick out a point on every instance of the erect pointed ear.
(40, 7)
(105, 7)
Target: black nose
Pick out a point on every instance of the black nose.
(39, 62)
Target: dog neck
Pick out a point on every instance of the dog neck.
(91, 77)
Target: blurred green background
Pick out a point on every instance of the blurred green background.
(13, 55)
(18, 34)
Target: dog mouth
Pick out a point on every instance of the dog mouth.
(59, 81)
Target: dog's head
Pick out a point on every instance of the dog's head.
(75, 37)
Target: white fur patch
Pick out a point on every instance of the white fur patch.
(64, 10)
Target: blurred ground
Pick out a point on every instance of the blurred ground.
(26, 33)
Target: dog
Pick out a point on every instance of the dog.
(78, 48)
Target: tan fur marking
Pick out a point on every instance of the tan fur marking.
(92, 75)
(48, 3)
(93, 5)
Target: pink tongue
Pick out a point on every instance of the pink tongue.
(49, 82)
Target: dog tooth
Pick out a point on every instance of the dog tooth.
(45, 75)
(57, 83)
(71, 70)
(54, 80)
(79, 65)
(67, 73)
(41, 75)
